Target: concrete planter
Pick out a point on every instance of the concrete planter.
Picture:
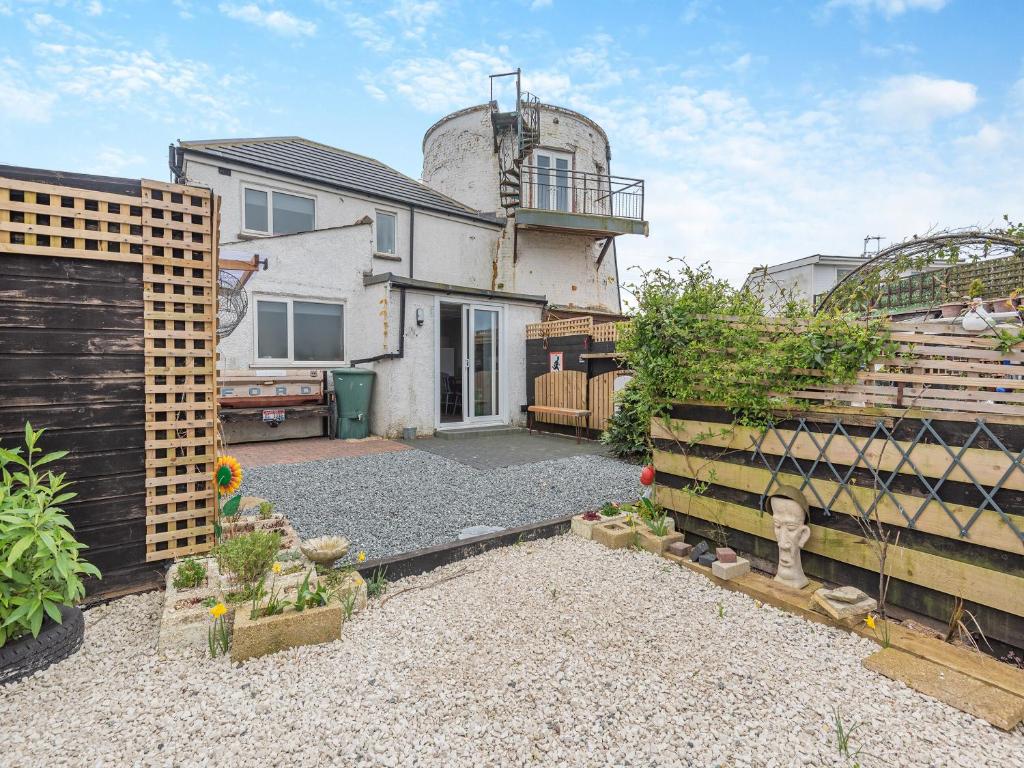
(239, 524)
(656, 544)
(585, 528)
(269, 634)
(614, 535)
(186, 618)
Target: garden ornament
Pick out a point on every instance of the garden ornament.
(789, 512)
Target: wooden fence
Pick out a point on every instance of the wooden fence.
(929, 443)
(108, 317)
(589, 362)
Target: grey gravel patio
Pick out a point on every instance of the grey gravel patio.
(391, 503)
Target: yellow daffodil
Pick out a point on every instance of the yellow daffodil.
(870, 621)
(359, 582)
(361, 557)
(276, 567)
(218, 610)
(228, 474)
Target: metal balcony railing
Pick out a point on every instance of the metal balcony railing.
(560, 189)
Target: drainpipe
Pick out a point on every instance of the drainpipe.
(401, 336)
(615, 250)
(412, 236)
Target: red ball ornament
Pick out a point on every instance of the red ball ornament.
(647, 475)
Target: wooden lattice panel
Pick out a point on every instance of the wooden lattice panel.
(179, 291)
(572, 326)
(606, 332)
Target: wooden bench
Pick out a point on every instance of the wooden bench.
(560, 397)
(580, 416)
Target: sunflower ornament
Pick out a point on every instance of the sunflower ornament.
(228, 474)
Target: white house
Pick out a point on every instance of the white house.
(803, 278)
(431, 284)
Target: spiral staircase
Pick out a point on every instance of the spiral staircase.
(516, 133)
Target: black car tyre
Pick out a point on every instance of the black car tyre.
(26, 655)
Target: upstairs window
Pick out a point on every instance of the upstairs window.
(277, 213)
(386, 233)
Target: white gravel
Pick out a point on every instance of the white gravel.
(390, 503)
(551, 653)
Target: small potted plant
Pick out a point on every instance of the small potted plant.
(41, 569)
(583, 525)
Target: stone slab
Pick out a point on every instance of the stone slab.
(707, 559)
(700, 549)
(845, 594)
(291, 629)
(614, 535)
(725, 555)
(726, 570)
(968, 694)
(841, 611)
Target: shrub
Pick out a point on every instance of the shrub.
(40, 567)
(191, 573)
(248, 557)
(266, 510)
(628, 431)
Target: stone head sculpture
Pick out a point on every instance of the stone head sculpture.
(789, 513)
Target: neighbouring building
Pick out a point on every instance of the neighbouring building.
(431, 284)
(804, 278)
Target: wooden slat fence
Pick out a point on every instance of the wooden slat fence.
(601, 398)
(561, 389)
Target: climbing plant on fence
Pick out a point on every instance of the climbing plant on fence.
(696, 337)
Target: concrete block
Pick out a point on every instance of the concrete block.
(656, 544)
(614, 535)
(697, 551)
(725, 555)
(680, 549)
(269, 634)
(726, 570)
(185, 617)
(707, 559)
(585, 528)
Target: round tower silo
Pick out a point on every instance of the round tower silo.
(461, 161)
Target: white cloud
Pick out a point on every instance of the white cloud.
(741, 64)
(157, 86)
(435, 85)
(370, 32)
(536, 5)
(279, 22)
(94, 8)
(885, 51)
(19, 104)
(988, 138)
(916, 101)
(888, 8)
(115, 161)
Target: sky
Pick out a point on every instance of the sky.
(765, 130)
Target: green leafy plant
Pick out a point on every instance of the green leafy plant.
(348, 604)
(40, 565)
(976, 289)
(249, 556)
(655, 516)
(610, 509)
(217, 636)
(266, 510)
(628, 432)
(721, 609)
(695, 337)
(844, 732)
(191, 573)
(311, 598)
(274, 604)
(377, 584)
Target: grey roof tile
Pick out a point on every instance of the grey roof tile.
(303, 159)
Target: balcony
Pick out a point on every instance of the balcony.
(558, 199)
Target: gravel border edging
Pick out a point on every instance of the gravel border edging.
(423, 560)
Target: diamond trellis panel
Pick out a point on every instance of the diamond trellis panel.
(959, 463)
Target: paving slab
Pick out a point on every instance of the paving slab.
(508, 450)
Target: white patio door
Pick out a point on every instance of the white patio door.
(482, 400)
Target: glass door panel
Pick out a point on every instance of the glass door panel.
(484, 357)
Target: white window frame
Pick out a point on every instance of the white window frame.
(264, 362)
(553, 155)
(376, 231)
(269, 191)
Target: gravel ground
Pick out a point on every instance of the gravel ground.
(396, 502)
(550, 653)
